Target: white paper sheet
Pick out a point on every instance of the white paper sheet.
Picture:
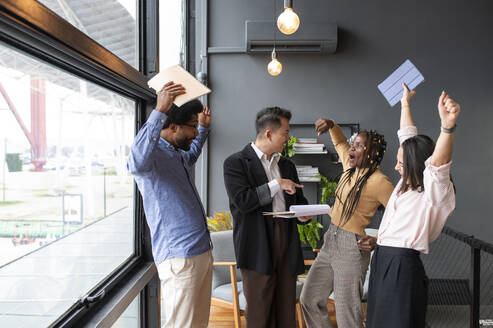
(177, 74)
(301, 210)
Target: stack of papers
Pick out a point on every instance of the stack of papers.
(307, 173)
(308, 145)
(307, 140)
(301, 210)
(193, 88)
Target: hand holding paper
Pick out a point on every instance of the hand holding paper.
(391, 88)
(179, 75)
(406, 94)
(406, 116)
(167, 95)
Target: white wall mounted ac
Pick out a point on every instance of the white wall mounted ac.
(310, 38)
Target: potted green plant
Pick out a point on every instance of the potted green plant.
(310, 233)
(329, 186)
(288, 150)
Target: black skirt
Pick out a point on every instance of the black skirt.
(398, 289)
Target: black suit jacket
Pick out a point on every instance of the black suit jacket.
(249, 196)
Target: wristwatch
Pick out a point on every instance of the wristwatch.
(449, 130)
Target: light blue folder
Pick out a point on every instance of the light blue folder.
(391, 88)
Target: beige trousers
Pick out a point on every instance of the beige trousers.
(340, 267)
(186, 290)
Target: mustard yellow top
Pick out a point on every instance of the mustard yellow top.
(376, 191)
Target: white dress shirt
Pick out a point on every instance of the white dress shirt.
(414, 219)
(272, 171)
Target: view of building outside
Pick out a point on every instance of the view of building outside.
(66, 201)
(66, 197)
(172, 33)
(129, 318)
(111, 23)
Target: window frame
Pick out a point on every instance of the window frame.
(34, 29)
(197, 61)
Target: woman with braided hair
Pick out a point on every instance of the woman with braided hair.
(419, 206)
(341, 265)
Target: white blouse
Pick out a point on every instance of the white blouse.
(415, 219)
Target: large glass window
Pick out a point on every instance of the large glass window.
(130, 318)
(111, 23)
(66, 201)
(172, 33)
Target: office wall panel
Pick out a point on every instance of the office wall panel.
(449, 41)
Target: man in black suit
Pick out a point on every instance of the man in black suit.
(267, 248)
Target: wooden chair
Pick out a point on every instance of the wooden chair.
(235, 299)
(227, 287)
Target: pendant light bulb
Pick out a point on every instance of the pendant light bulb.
(274, 68)
(288, 22)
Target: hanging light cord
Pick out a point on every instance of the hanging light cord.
(274, 24)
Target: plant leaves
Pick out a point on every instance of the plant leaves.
(288, 150)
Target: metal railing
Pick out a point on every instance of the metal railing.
(460, 290)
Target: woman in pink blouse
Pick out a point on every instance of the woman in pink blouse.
(415, 215)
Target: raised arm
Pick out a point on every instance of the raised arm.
(139, 160)
(196, 148)
(406, 117)
(449, 112)
(407, 129)
(148, 136)
(338, 138)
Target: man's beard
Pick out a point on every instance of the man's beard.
(184, 143)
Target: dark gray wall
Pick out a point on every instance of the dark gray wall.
(449, 41)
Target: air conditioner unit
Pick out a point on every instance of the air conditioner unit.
(310, 37)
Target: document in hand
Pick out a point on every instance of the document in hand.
(301, 210)
(177, 74)
(391, 88)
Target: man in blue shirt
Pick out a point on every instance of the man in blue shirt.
(161, 159)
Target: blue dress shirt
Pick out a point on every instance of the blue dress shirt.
(173, 208)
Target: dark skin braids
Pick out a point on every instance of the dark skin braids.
(374, 150)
